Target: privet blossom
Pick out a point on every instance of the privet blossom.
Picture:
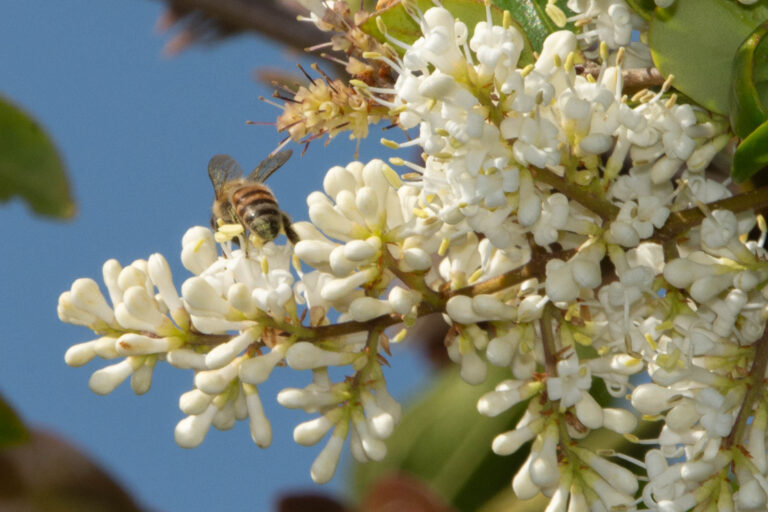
(566, 232)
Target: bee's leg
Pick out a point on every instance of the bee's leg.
(289, 232)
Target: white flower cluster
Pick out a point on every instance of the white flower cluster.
(539, 226)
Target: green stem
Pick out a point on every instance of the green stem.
(534, 268)
(680, 222)
(604, 209)
(756, 383)
(414, 281)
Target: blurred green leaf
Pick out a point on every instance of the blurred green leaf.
(752, 154)
(532, 19)
(443, 441)
(30, 166)
(643, 7)
(12, 429)
(702, 58)
(748, 100)
(401, 26)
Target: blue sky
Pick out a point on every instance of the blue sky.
(136, 131)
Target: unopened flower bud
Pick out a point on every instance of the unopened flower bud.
(185, 359)
(223, 354)
(342, 287)
(651, 398)
(160, 274)
(256, 370)
(87, 296)
(194, 402)
(141, 380)
(311, 432)
(360, 250)
(511, 441)
(324, 466)
(201, 296)
(261, 430)
(306, 356)
(216, 381)
(363, 309)
(138, 344)
(191, 431)
(402, 300)
(620, 421)
(105, 381)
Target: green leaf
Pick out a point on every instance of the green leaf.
(401, 25)
(535, 22)
(30, 166)
(12, 429)
(697, 41)
(527, 16)
(752, 154)
(747, 94)
(443, 440)
(643, 7)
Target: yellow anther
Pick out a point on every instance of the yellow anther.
(620, 56)
(582, 339)
(667, 83)
(264, 266)
(671, 101)
(392, 177)
(526, 70)
(476, 275)
(604, 51)
(444, 247)
(389, 143)
(570, 61)
(380, 25)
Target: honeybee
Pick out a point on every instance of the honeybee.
(246, 200)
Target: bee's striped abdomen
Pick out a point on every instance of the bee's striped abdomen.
(257, 209)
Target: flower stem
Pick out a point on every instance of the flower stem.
(604, 209)
(682, 221)
(756, 388)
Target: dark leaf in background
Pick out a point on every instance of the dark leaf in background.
(47, 474)
(444, 442)
(402, 493)
(304, 502)
(12, 429)
(30, 166)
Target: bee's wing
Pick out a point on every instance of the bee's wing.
(221, 169)
(265, 169)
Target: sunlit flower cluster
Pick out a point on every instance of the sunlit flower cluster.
(561, 228)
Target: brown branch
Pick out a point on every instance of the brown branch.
(548, 340)
(275, 19)
(634, 79)
(680, 222)
(756, 388)
(604, 209)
